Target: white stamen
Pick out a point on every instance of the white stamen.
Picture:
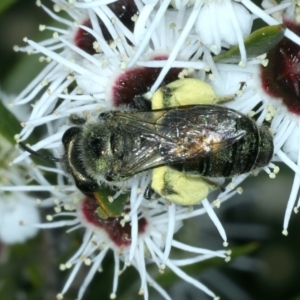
(214, 218)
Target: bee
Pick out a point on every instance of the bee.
(191, 141)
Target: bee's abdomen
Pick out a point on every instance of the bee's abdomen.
(253, 150)
(266, 147)
(234, 160)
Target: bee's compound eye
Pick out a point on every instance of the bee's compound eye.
(70, 135)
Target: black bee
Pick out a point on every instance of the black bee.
(200, 140)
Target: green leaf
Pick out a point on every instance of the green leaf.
(106, 207)
(9, 125)
(4, 4)
(259, 42)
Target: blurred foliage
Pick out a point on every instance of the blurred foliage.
(21, 274)
(5, 4)
(20, 20)
(9, 126)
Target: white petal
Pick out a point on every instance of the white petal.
(223, 23)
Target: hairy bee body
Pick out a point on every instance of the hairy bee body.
(204, 140)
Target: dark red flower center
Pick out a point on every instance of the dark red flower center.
(120, 235)
(281, 77)
(123, 9)
(135, 82)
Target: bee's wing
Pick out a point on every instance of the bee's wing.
(141, 126)
(175, 135)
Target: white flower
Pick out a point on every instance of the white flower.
(17, 212)
(137, 238)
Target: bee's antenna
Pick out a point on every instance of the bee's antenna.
(39, 155)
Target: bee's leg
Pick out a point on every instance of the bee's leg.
(77, 120)
(149, 192)
(140, 103)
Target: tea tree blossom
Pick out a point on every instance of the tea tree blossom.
(17, 212)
